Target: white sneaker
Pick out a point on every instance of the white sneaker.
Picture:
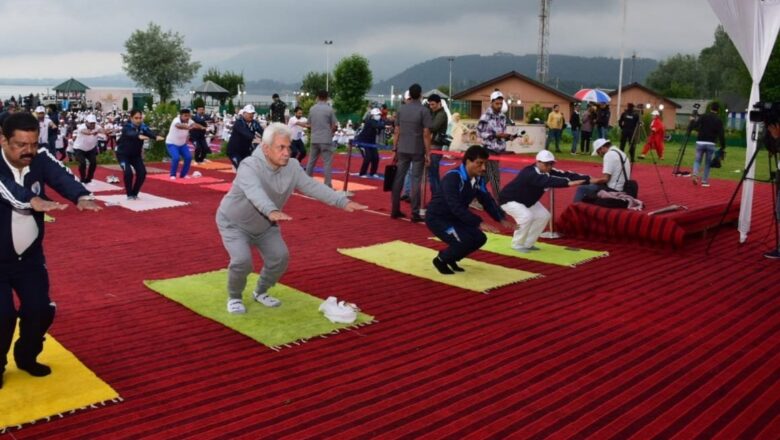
(236, 307)
(522, 249)
(338, 311)
(188, 176)
(172, 177)
(266, 299)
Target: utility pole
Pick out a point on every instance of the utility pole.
(543, 60)
(450, 59)
(633, 62)
(328, 44)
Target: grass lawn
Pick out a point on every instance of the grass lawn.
(732, 166)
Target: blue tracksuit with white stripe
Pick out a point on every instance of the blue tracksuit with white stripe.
(449, 218)
(26, 273)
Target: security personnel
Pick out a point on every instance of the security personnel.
(22, 263)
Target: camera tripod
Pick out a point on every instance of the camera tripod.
(772, 157)
(680, 154)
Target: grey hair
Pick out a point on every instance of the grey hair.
(273, 130)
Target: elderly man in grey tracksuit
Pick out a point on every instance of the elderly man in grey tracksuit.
(249, 214)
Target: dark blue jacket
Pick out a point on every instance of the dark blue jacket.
(241, 137)
(451, 203)
(529, 185)
(45, 170)
(197, 134)
(371, 129)
(129, 144)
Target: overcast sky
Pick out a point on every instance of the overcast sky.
(283, 39)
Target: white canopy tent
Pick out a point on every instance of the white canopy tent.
(753, 26)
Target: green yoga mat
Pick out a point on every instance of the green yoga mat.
(547, 253)
(297, 320)
(416, 260)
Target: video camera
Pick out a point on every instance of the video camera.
(766, 112)
(695, 111)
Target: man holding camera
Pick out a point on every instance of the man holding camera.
(438, 139)
(710, 128)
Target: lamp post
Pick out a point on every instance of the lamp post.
(450, 59)
(328, 44)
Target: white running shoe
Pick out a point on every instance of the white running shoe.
(172, 177)
(338, 311)
(236, 307)
(266, 299)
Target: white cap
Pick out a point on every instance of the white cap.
(655, 113)
(496, 95)
(40, 109)
(407, 95)
(545, 156)
(375, 111)
(598, 143)
(91, 119)
(249, 108)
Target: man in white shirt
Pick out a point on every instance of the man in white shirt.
(298, 124)
(615, 172)
(85, 147)
(176, 141)
(44, 123)
(21, 250)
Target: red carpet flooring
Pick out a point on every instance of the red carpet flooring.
(647, 343)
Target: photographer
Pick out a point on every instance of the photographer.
(710, 128)
(772, 141)
(438, 139)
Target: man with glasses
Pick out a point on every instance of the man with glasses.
(21, 251)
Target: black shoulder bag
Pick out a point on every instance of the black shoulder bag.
(630, 187)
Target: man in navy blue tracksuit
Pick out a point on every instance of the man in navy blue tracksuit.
(129, 152)
(26, 170)
(243, 137)
(448, 215)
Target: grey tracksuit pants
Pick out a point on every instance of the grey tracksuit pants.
(239, 243)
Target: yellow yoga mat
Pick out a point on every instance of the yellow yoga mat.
(297, 320)
(213, 165)
(547, 253)
(71, 386)
(415, 260)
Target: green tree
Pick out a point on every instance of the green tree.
(231, 81)
(770, 84)
(536, 112)
(124, 104)
(198, 102)
(313, 82)
(352, 81)
(149, 102)
(158, 60)
(230, 108)
(444, 89)
(722, 67)
(678, 76)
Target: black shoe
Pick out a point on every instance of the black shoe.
(417, 218)
(398, 214)
(35, 369)
(442, 267)
(1, 378)
(773, 255)
(405, 198)
(454, 266)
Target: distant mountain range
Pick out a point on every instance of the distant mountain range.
(567, 73)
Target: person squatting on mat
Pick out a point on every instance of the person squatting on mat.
(448, 215)
(244, 136)
(129, 152)
(520, 198)
(85, 147)
(198, 134)
(26, 170)
(249, 213)
(176, 141)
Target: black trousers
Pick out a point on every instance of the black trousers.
(628, 138)
(83, 157)
(30, 281)
(298, 149)
(461, 238)
(128, 164)
(370, 158)
(201, 149)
